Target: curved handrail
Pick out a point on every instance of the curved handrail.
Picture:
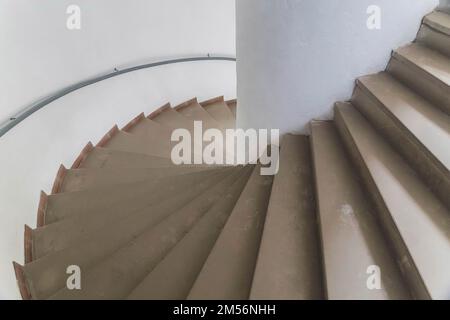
(22, 115)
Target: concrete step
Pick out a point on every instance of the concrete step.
(228, 271)
(415, 127)
(97, 157)
(58, 235)
(80, 179)
(69, 204)
(352, 241)
(220, 111)
(289, 260)
(47, 275)
(435, 32)
(117, 275)
(416, 223)
(174, 276)
(425, 71)
(155, 145)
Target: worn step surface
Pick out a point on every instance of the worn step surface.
(220, 111)
(63, 205)
(80, 179)
(117, 275)
(174, 276)
(47, 275)
(416, 223)
(435, 32)
(228, 271)
(67, 230)
(98, 157)
(424, 70)
(352, 241)
(413, 125)
(289, 261)
(123, 141)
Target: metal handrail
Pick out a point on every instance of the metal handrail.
(22, 115)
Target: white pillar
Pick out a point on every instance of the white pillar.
(296, 58)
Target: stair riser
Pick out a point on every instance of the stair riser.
(431, 170)
(421, 82)
(434, 39)
(404, 259)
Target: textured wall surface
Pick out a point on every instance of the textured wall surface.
(296, 58)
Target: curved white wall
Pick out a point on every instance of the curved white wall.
(296, 58)
(39, 56)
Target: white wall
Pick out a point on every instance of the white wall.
(296, 58)
(39, 55)
(444, 5)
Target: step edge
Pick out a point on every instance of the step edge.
(42, 207)
(186, 104)
(408, 134)
(108, 136)
(398, 56)
(158, 111)
(21, 281)
(134, 122)
(83, 155)
(59, 179)
(212, 101)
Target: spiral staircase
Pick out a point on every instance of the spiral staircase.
(369, 189)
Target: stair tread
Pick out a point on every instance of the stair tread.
(228, 271)
(81, 179)
(220, 111)
(68, 204)
(173, 277)
(117, 275)
(149, 128)
(149, 145)
(107, 158)
(288, 265)
(104, 238)
(422, 221)
(432, 62)
(351, 238)
(439, 20)
(429, 125)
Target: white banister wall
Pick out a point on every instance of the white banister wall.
(40, 55)
(296, 58)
